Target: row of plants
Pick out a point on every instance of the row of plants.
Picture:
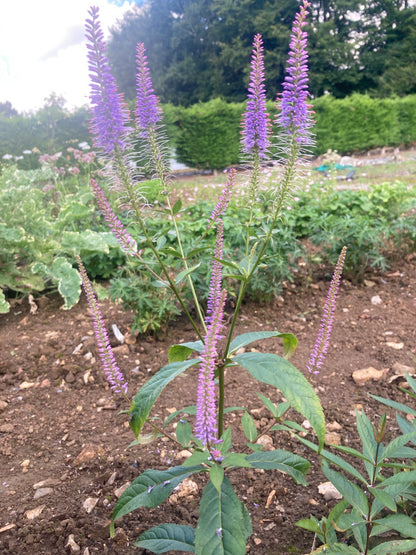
(51, 218)
(207, 135)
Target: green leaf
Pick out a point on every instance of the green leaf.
(403, 524)
(185, 273)
(226, 442)
(334, 459)
(309, 524)
(224, 524)
(268, 404)
(236, 459)
(177, 206)
(216, 474)
(67, 278)
(145, 398)
(279, 372)
(179, 353)
(183, 432)
(366, 433)
(384, 498)
(289, 341)
(400, 478)
(336, 513)
(187, 410)
(291, 464)
(393, 449)
(167, 537)
(351, 492)
(4, 305)
(395, 546)
(395, 405)
(197, 457)
(249, 427)
(151, 488)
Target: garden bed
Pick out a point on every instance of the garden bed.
(63, 442)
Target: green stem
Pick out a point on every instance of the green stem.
(288, 175)
(157, 158)
(125, 178)
(254, 185)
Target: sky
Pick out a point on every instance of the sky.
(42, 49)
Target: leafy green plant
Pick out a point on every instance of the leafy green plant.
(43, 228)
(371, 502)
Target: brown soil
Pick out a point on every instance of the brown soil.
(54, 402)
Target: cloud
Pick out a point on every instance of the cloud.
(75, 34)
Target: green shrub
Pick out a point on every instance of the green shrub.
(210, 135)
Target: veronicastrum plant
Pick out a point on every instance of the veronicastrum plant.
(224, 523)
(376, 514)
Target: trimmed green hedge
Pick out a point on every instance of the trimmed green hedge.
(358, 122)
(208, 134)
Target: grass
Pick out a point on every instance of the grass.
(208, 186)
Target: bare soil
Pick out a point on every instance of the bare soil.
(61, 427)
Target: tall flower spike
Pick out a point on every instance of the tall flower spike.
(147, 104)
(206, 417)
(126, 241)
(255, 121)
(216, 274)
(115, 378)
(322, 342)
(224, 200)
(294, 116)
(206, 414)
(109, 113)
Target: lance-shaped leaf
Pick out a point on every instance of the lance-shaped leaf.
(290, 341)
(224, 523)
(168, 537)
(145, 398)
(181, 352)
(281, 460)
(151, 488)
(351, 492)
(274, 370)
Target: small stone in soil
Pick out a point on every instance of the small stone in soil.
(89, 504)
(34, 513)
(72, 544)
(119, 491)
(42, 492)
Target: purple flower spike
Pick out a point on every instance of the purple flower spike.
(255, 121)
(115, 378)
(322, 342)
(216, 275)
(147, 106)
(206, 417)
(109, 113)
(295, 116)
(127, 243)
(224, 200)
(206, 414)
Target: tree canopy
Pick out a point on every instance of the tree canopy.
(200, 49)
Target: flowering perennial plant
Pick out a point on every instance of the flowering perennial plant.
(110, 114)
(255, 122)
(126, 241)
(114, 376)
(147, 104)
(294, 116)
(324, 335)
(222, 515)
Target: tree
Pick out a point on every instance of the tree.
(7, 110)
